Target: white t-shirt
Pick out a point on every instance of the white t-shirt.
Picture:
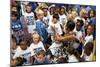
(72, 58)
(88, 39)
(54, 47)
(23, 53)
(63, 19)
(57, 28)
(78, 34)
(30, 19)
(35, 48)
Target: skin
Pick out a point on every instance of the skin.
(23, 46)
(13, 18)
(13, 45)
(65, 38)
(28, 9)
(36, 38)
(40, 16)
(40, 58)
(91, 14)
(89, 30)
(62, 11)
(45, 12)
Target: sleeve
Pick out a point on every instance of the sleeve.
(17, 54)
(42, 46)
(31, 49)
(38, 28)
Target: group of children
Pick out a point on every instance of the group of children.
(46, 33)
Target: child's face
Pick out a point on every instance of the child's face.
(83, 13)
(52, 10)
(40, 58)
(91, 14)
(13, 18)
(89, 30)
(56, 11)
(28, 9)
(45, 12)
(62, 11)
(36, 38)
(14, 9)
(87, 51)
(40, 16)
(54, 20)
(23, 46)
(78, 25)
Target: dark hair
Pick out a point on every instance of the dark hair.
(89, 46)
(41, 52)
(56, 16)
(92, 25)
(94, 12)
(13, 38)
(20, 61)
(22, 42)
(70, 25)
(81, 22)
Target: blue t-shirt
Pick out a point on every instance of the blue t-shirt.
(16, 25)
(41, 29)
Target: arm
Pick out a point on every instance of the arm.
(65, 38)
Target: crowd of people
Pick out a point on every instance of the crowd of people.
(50, 33)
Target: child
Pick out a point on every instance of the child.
(55, 28)
(63, 17)
(13, 46)
(73, 55)
(16, 26)
(89, 36)
(79, 34)
(92, 16)
(37, 44)
(23, 51)
(88, 51)
(30, 18)
(55, 46)
(41, 58)
(17, 62)
(46, 15)
(41, 27)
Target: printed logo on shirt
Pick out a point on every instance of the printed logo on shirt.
(30, 20)
(36, 50)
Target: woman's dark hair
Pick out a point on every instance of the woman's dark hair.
(56, 16)
(94, 12)
(13, 38)
(81, 22)
(20, 61)
(70, 25)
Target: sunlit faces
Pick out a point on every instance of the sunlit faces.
(83, 13)
(40, 14)
(90, 29)
(23, 45)
(28, 8)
